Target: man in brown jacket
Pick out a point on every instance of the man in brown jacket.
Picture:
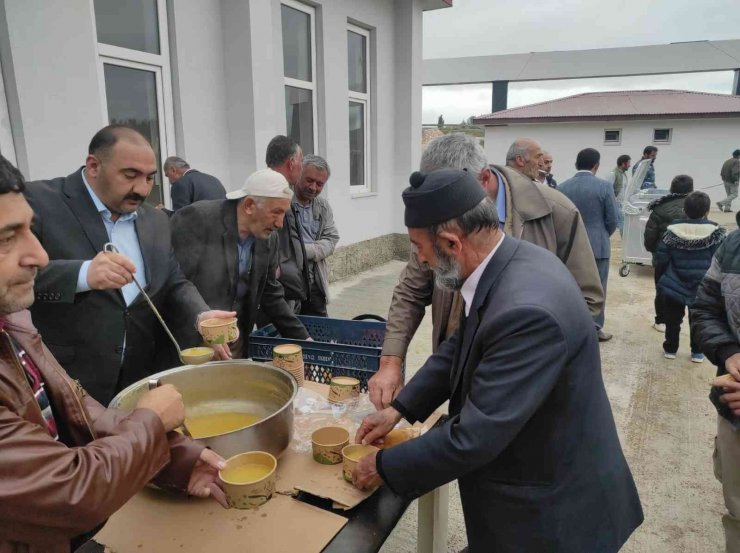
(528, 211)
(66, 462)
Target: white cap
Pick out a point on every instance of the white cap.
(265, 183)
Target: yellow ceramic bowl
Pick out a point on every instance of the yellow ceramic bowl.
(219, 331)
(197, 356)
(249, 479)
(351, 455)
(327, 444)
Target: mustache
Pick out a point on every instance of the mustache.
(135, 197)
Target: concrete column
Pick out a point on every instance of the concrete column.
(499, 95)
(54, 111)
(408, 82)
(736, 84)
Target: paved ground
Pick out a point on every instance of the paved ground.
(665, 420)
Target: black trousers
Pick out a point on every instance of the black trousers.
(673, 312)
(316, 305)
(659, 314)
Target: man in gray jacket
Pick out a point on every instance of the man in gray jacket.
(314, 220)
(229, 250)
(527, 211)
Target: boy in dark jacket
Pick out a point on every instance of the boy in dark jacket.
(663, 212)
(683, 258)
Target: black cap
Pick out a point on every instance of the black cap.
(440, 196)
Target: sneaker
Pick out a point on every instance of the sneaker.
(721, 206)
(603, 335)
(669, 355)
(697, 358)
(660, 327)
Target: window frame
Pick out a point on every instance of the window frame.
(666, 141)
(613, 142)
(297, 83)
(364, 98)
(159, 64)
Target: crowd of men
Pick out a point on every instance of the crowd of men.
(514, 265)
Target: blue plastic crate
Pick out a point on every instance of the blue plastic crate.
(339, 348)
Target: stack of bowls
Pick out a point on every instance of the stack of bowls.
(289, 357)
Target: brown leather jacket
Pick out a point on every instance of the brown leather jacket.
(52, 491)
(535, 213)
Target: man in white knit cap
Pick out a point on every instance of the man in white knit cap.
(229, 250)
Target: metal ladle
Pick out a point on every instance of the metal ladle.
(110, 247)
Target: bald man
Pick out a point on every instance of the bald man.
(525, 156)
(88, 309)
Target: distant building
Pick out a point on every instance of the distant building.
(695, 132)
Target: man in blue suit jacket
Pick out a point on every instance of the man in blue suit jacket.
(594, 198)
(531, 437)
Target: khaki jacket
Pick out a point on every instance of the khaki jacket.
(52, 491)
(535, 213)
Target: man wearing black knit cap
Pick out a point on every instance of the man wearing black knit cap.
(531, 437)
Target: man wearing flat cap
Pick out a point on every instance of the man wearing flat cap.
(229, 250)
(531, 437)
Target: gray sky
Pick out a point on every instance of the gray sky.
(489, 27)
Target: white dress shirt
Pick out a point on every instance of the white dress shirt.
(471, 283)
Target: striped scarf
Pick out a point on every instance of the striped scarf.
(33, 375)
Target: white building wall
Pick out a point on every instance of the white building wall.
(49, 60)
(227, 92)
(698, 147)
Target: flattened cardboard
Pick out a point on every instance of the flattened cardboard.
(156, 522)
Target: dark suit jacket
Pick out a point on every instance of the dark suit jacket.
(205, 238)
(594, 198)
(531, 437)
(194, 186)
(85, 331)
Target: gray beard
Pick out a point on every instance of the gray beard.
(447, 272)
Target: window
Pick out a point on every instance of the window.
(135, 74)
(662, 135)
(358, 48)
(7, 146)
(299, 70)
(612, 136)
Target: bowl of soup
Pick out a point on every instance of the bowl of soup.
(197, 356)
(351, 455)
(249, 479)
(219, 331)
(230, 406)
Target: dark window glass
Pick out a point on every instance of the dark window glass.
(356, 144)
(296, 44)
(662, 135)
(132, 101)
(128, 23)
(612, 136)
(299, 117)
(357, 62)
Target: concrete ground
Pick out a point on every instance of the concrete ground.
(665, 421)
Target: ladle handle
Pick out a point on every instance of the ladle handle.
(111, 247)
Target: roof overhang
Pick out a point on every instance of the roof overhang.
(681, 57)
(429, 5)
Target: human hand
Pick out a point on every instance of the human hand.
(365, 476)
(733, 366)
(167, 404)
(386, 383)
(110, 271)
(204, 481)
(223, 352)
(376, 425)
(731, 391)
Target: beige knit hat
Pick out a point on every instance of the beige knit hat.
(265, 183)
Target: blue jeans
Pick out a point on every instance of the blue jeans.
(603, 266)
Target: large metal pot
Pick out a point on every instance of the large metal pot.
(235, 385)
